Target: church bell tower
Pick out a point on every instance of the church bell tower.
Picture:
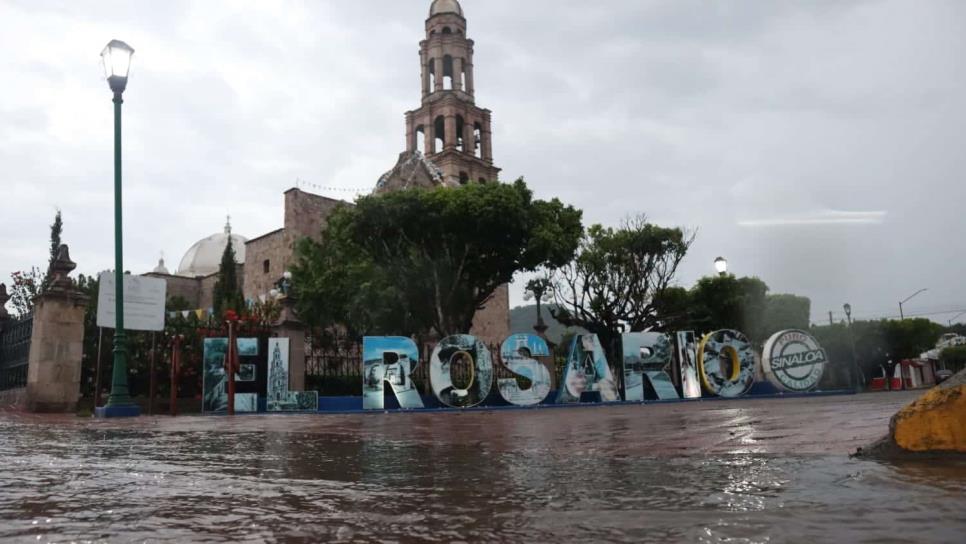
(450, 132)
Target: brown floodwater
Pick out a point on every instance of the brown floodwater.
(750, 471)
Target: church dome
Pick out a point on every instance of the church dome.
(161, 269)
(204, 257)
(445, 6)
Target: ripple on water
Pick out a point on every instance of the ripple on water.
(85, 483)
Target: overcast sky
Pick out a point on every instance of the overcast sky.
(818, 145)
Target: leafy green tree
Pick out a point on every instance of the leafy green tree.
(613, 282)
(878, 344)
(908, 338)
(783, 312)
(89, 285)
(56, 230)
(227, 295)
(177, 303)
(727, 302)
(340, 285)
(674, 310)
(954, 358)
(419, 260)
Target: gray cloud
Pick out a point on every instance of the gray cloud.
(833, 128)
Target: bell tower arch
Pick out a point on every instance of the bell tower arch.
(450, 129)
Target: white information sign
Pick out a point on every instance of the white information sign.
(144, 300)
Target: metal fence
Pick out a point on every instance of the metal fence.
(15, 353)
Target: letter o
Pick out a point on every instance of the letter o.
(726, 363)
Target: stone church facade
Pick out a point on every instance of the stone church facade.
(448, 143)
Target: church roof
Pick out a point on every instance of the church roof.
(445, 6)
(204, 257)
(412, 170)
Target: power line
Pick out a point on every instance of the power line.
(301, 183)
(870, 317)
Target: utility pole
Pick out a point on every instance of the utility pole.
(902, 315)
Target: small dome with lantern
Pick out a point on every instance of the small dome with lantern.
(204, 257)
(161, 268)
(445, 6)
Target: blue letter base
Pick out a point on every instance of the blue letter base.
(108, 412)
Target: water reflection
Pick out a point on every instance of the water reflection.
(436, 480)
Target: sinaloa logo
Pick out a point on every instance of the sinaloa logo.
(794, 361)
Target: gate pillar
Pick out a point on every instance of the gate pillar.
(57, 342)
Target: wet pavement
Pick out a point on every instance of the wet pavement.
(769, 470)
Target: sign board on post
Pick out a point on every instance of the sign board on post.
(144, 300)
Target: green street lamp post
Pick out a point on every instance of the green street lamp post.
(116, 58)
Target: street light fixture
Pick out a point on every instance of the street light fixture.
(116, 58)
(539, 289)
(721, 265)
(956, 317)
(902, 315)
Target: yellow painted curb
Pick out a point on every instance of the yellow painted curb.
(934, 423)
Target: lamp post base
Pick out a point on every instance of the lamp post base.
(116, 411)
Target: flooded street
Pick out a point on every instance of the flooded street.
(747, 471)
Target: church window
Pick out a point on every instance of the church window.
(464, 178)
(447, 30)
(421, 139)
(266, 266)
(432, 75)
(482, 180)
(463, 74)
(439, 130)
(478, 141)
(448, 73)
(460, 136)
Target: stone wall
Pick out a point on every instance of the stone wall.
(306, 214)
(270, 250)
(180, 286)
(492, 324)
(305, 217)
(57, 342)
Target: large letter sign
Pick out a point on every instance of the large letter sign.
(393, 360)
(477, 367)
(687, 349)
(586, 372)
(726, 363)
(522, 363)
(214, 379)
(647, 357)
(279, 398)
(793, 361)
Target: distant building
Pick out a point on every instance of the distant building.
(448, 143)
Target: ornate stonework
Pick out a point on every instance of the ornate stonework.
(448, 129)
(455, 136)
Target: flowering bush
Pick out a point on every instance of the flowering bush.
(25, 286)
